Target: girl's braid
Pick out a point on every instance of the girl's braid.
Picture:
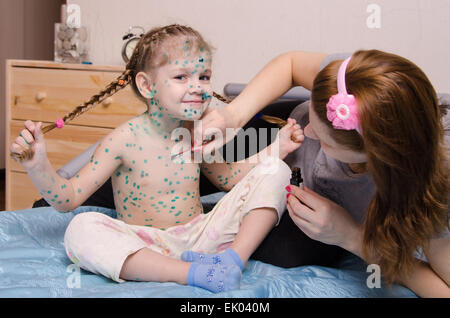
(119, 83)
(136, 63)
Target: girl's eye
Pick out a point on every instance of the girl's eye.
(205, 78)
(180, 77)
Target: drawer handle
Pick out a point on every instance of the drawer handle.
(40, 96)
(108, 101)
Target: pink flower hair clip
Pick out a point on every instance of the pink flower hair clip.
(342, 109)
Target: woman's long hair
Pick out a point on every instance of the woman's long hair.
(403, 138)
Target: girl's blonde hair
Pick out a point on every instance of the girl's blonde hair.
(403, 138)
(147, 56)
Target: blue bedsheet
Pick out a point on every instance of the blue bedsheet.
(33, 263)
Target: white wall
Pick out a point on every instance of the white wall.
(248, 33)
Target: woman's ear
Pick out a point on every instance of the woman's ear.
(143, 83)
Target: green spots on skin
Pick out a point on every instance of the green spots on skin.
(178, 213)
(106, 150)
(63, 186)
(144, 174)
(206, 96)
(79, 190)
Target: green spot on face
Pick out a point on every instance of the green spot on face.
(106, 150)
(79, 190)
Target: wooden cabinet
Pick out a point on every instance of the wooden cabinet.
(44, 91)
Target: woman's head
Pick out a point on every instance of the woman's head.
(170, 70)
(402, 140)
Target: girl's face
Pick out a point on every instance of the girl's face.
(317, 130)
(181, 88)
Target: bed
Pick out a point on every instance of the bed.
(33, 262)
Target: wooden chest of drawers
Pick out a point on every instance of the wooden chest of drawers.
(44, 91)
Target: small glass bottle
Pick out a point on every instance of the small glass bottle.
(296, 178)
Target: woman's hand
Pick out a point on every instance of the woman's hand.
(323, 220)
(31, 137)
(212, 122)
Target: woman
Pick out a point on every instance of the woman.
(374, 162)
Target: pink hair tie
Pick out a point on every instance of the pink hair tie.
(60, 123)
(342, 109)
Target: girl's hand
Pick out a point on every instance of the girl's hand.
(323, 220)
(31, 137)
(289, 138)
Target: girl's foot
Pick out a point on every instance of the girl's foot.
(216, 278)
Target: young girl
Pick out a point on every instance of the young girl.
(375, 164)
(159, 214)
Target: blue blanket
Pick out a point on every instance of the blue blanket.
(33, 263)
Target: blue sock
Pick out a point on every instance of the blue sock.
(216, 278)
(229, 257)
